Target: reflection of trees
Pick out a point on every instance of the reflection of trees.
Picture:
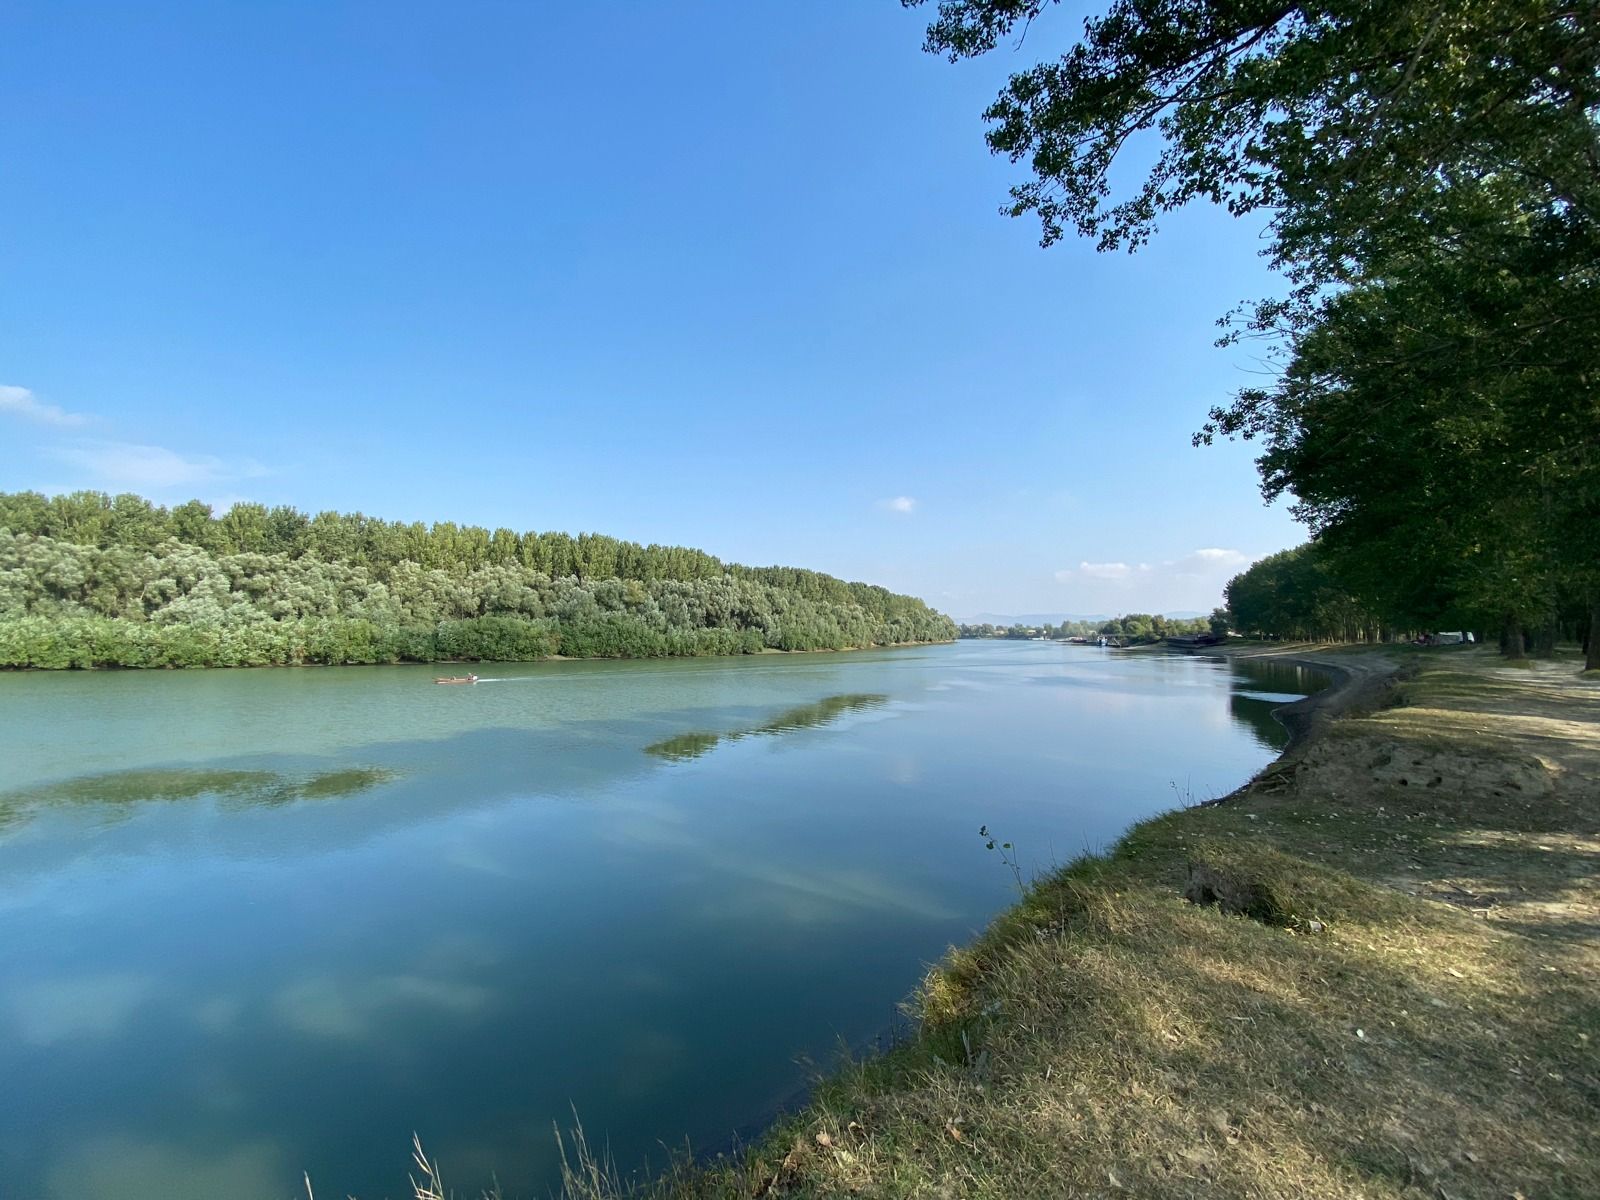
(685, 746)
(237, 789)
(1288, 680)
(1256, 716)
(1266, 676)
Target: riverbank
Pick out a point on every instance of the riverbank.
(89, 665)
(1370, 972)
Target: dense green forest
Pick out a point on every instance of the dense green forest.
(1296, 594)
(93, 580)
(1304, 594)
(1427, 173)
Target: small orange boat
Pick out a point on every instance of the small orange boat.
(455, 679)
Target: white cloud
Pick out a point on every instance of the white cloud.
(130, 464)
(1106, 570)
(1197, 564)
(904, 505)
(1230, 558)
(20, 402)
(1191, 581)
(1205, 563)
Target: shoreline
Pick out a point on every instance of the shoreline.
(1296, 717)
(1304, 989)
(1361, 680)
(460, 662)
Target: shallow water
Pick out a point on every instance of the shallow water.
(260, 922)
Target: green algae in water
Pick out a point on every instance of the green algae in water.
(121, 787)
(685, 746)
(328, 785)
(237, 789)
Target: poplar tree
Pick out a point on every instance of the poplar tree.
(1428, 172)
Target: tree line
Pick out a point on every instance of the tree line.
(1141, 628)
(1302, 595)
(89, 579)
(1296, 595)
(1428, 172)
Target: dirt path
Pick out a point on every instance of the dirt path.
(1515, 745)
(1518, 746)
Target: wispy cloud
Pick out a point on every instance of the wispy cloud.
(131, 464)
(20, 402)
(1190, 581)
(1105, 570)
(1207, 562)
(904, 505)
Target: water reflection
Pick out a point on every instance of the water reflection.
(1255, 714)
(1262, 687)
(521, 915)
(686, 746)
(101, 1169)
(236, 789)
(1289, 679)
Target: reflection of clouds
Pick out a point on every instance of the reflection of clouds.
(819, 895)
(458, 952)
(355, 1009)
(650, 830)
(218, 1014)
(806, 897)
(114, 1168)
(59, 1010)
(1121, 703)
(474, 858)
(646, 981)
(648, 1060)
(217, 1091)
(652, 824)
(905, 770)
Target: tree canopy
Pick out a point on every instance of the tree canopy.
(88, 579)
(1346, 119)
(1429, 175)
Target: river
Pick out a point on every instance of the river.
(260, 922)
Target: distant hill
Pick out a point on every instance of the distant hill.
(1058, 618)
(1030, 618)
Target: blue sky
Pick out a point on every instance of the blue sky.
(727, 275)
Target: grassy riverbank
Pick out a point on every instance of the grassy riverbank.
(1406, 1008)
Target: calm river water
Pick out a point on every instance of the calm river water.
(260, 922)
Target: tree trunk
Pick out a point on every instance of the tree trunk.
(1592, 658)
(1512, 642)
(1544, 642)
